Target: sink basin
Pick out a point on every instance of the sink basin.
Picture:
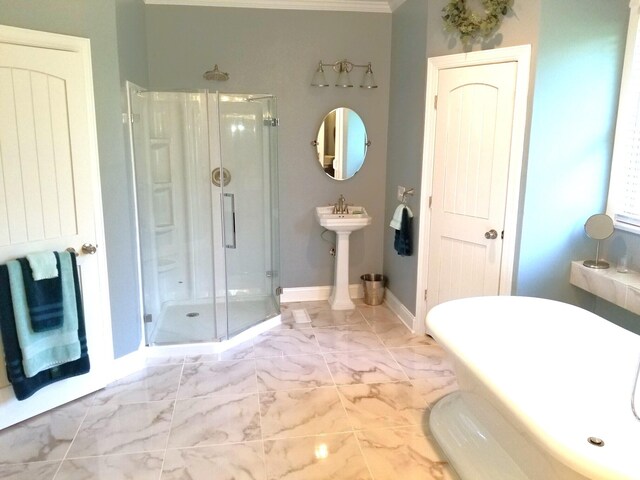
(355, 219)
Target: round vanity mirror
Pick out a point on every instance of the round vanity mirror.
(598, 227)
(341, 143)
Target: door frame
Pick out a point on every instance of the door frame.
(13, 410)
(522, 56)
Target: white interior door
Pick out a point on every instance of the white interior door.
(472, 148)
(49, 187)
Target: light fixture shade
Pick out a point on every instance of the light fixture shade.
(319, 79)
(368, 81)
(343, 79)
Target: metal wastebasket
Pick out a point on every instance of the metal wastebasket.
(373, 284)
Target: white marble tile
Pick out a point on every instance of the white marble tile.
(295, 371)
(383, 405)
(218, 378)
(330, 457)
(602, 283)
(135, 466)
(29, 471)
(215, 420)
(166, 360)
(433, 389)
(150, 384)
(331, 318)
(403, 453)
(423, 362)
(277, 343)
(242, 351)
(398, 335)
(302, 412)
(240, 461)
(347, 338)
(44, 437)
(365, 366)
(378, 314)
(129, 428)
(632, 300)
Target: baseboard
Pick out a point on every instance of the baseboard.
(315, 294)
(127, 364)
(397, 307)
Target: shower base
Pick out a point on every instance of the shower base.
(195, 322)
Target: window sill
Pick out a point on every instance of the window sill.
(621, 289)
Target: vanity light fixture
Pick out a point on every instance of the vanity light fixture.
(343, 67)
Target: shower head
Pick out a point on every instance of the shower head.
(216, 75)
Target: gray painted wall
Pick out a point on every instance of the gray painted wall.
(96, 20)
(407, 95)
(277, 51)
(406, 128)
(571, 141)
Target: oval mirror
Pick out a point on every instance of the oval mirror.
(341, 143)
(599, 226)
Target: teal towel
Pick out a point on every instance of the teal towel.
(43, 265)
(44, 350)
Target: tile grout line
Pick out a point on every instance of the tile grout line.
(62, 460)
(264, 452)
(173, 412)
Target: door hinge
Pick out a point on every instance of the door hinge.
(148, 318)
(271, 122)
(435, 102)
(425, 293)
(430, 200)
(279, 291)
(502, 235)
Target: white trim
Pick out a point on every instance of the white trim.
(522, 55)
(372, 6)
(316, 294)
(397, 307)
(395, 4)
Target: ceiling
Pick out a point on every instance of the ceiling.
(379, 6)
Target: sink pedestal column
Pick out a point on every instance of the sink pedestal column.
(340, 299)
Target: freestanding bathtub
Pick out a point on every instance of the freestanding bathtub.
(545, 391)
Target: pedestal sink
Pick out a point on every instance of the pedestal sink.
(343, 224)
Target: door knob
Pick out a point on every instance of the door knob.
(89, 249)
(491, 234)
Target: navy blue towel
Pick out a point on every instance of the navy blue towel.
(403, 241)
(44, 298)
(22, 386)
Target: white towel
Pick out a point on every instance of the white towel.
(43, 265)
(397, 216)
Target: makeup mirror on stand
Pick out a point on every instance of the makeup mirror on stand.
(598, 227)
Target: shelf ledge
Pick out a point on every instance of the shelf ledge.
(621, 289)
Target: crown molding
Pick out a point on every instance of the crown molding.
(371, 6)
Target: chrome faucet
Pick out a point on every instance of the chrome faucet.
(341, 205)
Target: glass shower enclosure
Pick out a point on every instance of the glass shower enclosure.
(207, 207)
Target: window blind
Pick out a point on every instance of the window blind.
(624, 187)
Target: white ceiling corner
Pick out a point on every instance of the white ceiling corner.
(376, 6)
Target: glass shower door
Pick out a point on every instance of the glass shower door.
(247, 139)
(169, 132)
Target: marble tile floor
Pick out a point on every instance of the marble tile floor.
(344, 396)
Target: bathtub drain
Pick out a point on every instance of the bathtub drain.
(598, 442)
(193, 314)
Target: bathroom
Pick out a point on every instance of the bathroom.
(276, 50)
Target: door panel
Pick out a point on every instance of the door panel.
(50, 191)
(471, 167)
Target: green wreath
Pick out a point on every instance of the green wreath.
(457, 17)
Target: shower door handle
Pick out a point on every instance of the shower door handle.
(232, 197)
